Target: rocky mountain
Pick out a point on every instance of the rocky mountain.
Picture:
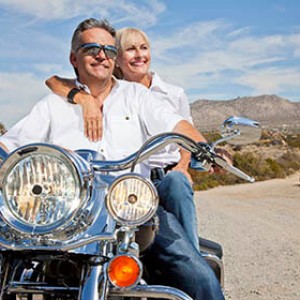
(273, 112)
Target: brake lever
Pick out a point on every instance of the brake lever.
(206, 157)
(202, 160)
(220, 161)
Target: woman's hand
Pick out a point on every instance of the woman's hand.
(92, 115)
(91, 106)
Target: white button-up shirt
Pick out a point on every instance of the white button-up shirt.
(130, 114)
(177, 98)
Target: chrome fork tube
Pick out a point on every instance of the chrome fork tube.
(5, 271)
(94, 283)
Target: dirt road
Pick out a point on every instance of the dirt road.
(259, 227)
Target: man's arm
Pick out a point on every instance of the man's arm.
(185, 156)
(92, 113)
(186, 128)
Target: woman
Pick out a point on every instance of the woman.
(133, 64)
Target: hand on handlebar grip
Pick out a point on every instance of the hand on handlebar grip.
(224, 154)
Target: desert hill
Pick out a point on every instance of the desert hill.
(273, 112)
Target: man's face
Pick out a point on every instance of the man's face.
(93, 67)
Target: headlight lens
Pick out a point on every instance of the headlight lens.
(41, 190)
(132, 200)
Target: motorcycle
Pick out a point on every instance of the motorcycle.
(70, 229)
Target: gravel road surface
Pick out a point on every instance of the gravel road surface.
(258, 226)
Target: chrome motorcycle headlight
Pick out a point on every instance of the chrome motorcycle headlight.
(132, 200)
(41, 189)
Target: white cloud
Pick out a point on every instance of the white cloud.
(195, 37)
(51, 68)
(142, 13)
(271, 80)
(208, 54)
(18, 93)
(294, 39)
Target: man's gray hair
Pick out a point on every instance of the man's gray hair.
(89, 24)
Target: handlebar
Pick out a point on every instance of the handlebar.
(203, 155)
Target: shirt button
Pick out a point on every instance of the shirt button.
(126, 118)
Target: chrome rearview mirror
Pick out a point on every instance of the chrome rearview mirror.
(240, 131)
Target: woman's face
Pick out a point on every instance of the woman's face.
(134, 58)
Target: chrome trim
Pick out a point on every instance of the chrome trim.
(230, 168)
(109, 237)
(84, 228)
(151, 291)
(31, 288)
(145, 218)
(90, 289)
(220, 264)
(159, 142)
(141, 291)
(241, 131)
(77, 165)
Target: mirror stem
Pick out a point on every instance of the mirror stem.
(224, 139)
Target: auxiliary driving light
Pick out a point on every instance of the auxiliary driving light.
(132, 200)
(124, 271)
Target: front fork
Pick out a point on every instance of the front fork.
(95, 283)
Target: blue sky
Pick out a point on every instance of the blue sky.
(215, 49)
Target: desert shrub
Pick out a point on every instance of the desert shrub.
(273, 170)
(247, 162)
(253, 165)
(204, 180)
(289, 161)
(212, 136)
(293, 140)
(261, 169)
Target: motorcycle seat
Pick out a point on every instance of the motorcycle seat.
(210, 247)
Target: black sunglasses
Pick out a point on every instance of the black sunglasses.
(94, 49)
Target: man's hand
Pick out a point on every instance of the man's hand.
(184, 170)
(226, 156)
(183, 164)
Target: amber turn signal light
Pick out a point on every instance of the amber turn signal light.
(124, 271)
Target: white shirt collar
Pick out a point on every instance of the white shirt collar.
(86, 88)
(157, 84)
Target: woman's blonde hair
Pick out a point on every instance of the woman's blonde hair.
(124, 37)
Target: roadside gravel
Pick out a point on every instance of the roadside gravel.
(258, 226)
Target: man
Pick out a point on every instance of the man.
(126, 124)
(133, 64)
